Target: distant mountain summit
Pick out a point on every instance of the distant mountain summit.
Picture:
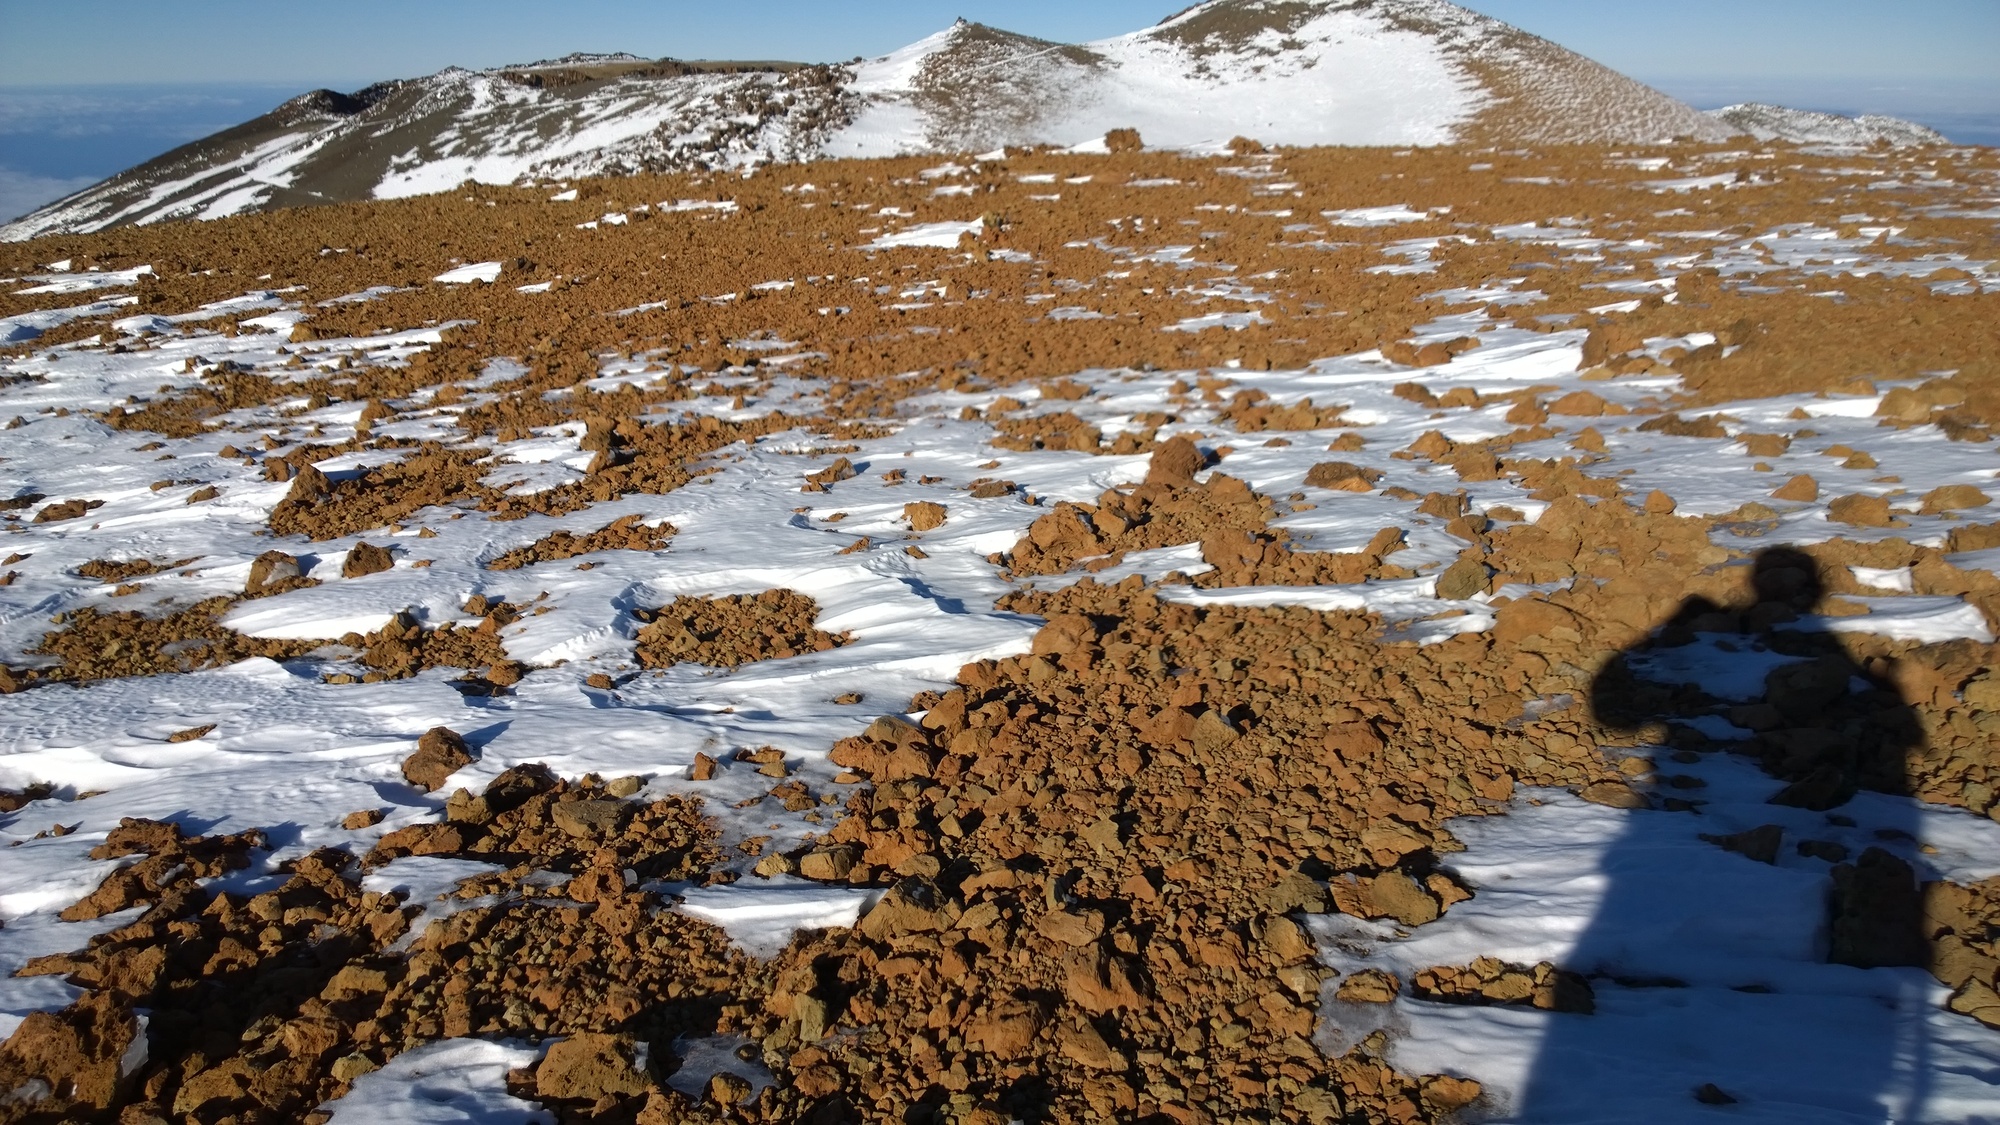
(1775, 122)
(1295, 72)
(568, 118)
(1382, 72)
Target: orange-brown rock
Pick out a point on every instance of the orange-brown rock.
(1801, 489)
(365, 559)
(439, 754)
(924, 515)
(1860, 511)
(1175, 463)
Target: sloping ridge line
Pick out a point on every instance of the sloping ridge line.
(1398, 72)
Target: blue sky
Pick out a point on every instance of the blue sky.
(97, 41)
(88, 87)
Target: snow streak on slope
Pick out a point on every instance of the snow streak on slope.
(1339, 78)
(432, 134)
(969, 87)
(1333, 72)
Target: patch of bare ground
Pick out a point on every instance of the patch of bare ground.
(732, 630)
(264, 1007)
(1170, 509)
(96, 645)
(627, 533)
(403, 648)
(114, 572)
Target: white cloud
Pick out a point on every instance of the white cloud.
(21, 192)
(90, 110)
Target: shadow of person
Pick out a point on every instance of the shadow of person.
(1749, 929)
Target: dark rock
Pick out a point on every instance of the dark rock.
(1877, 914)
(1760, 844)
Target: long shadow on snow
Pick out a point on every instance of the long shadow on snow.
(1851, 1048)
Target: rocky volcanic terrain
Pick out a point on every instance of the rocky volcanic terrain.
(1292, 634)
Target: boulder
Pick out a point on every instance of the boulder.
(589, 1066)
(439, 754)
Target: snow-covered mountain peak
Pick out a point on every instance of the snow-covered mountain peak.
(1287, 72)
(1283, 71)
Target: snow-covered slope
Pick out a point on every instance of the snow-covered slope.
(1394, 72)
(1281, 71)
(1776, 123)
(1339, 78)
(552, 120)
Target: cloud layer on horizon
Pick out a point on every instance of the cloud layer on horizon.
(22, 192)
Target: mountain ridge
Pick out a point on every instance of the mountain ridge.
(1773, 122)
(1293, 72)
